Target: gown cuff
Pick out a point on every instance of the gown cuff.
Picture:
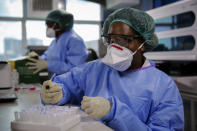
(110, 115)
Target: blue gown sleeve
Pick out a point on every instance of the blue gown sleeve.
(166, 113)
(44, 56)
(75, 55)
(70, 85)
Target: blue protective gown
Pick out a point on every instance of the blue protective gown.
(65, 52)
(143, 100)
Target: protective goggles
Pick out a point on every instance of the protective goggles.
(122, 40)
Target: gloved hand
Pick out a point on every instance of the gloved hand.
(33, 55)
(51, 92)
(37, 65)
(96, 107)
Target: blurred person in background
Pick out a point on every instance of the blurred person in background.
(66, 50)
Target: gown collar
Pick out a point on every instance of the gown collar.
(146, 65)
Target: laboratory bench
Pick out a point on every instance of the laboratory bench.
(26, 98)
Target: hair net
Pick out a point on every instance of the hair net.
(138, 20)
(63, 18)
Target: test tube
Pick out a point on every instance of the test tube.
(47, 87)
(16, 114)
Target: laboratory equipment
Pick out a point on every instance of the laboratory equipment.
(26, 75)
(175, 18)
(15, 79)
(46, 118)
(6, 81)
(5, 76)
(7, 96)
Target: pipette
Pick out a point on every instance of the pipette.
(53, 76)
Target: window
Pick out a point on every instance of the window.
(175, 22)
(159, 3)
(14, 23)
(89, 33)
(11, 8)
(84, 10)
(11, 31)
(36, 33)
(90, 13)
(179, 21)
(182, 43)
(10, 39)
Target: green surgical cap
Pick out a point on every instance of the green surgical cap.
(138, 20)
(63, 18)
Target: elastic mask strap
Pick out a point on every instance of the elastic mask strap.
(139, 47)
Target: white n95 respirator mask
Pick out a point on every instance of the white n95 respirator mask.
(50, 32)
(119, 57)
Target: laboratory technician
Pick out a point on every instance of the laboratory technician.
(124, 89)
(65, 51)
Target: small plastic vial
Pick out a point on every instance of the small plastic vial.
(15, 79)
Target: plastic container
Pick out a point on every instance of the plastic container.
(15, 79)
(46, 118)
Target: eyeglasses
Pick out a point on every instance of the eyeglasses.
(122, 40)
